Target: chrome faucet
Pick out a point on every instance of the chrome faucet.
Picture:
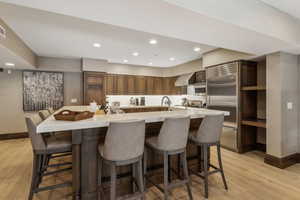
(168, 101)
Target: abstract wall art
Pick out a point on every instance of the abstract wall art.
(42, 90)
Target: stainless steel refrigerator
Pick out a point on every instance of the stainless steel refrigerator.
(222, 94)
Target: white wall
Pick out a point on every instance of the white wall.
(12, 116)
(282, 87)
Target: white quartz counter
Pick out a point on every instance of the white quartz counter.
(52, 125)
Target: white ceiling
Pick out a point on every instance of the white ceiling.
(56, 35)
(291, 7)
(248, 26)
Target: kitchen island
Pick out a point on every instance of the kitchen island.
(87, 134)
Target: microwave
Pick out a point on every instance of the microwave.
(200, 90)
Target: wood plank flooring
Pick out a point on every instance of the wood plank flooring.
(247, 176)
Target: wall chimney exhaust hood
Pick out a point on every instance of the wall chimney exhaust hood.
(183, 80)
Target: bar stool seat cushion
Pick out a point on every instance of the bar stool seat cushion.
(193, 136)
(153, 143)
(101, 148)
(62, 141)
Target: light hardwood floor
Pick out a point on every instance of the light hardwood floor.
(248, 178)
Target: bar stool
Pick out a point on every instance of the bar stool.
(44, 114)
(44, 149)
(124, 145)
(172, 140)
(208, 135)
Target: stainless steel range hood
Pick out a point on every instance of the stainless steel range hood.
(183, 80)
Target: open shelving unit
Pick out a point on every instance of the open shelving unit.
(253, 106)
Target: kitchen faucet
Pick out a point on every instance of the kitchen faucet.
(168, 101)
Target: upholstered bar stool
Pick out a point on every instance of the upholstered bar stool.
(208, 135)
(172, 140)
(44, 149)
(124, 145)
(44, 114)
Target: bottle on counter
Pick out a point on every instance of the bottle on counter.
(142, 101)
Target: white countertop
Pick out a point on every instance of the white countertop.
(52, 125)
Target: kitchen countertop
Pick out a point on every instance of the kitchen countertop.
(52, 125)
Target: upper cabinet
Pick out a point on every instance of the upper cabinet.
(140, 85)
(116, 84)
(94, 87)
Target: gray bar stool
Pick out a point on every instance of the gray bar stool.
(44, 114)
(172, 140)
(44, 149)
(124, 145)
(208, 135)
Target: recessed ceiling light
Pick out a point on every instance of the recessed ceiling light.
(125, 61)
(150, 63)
(153, 41)
(172, 59)
(8, 64)
(97, 45)
(135, 53)
(197, 49)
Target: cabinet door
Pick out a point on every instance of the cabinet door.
(109, 84)
(121, 85)
(131, 85)
(140, 83)
(149, 85)
(94, 87)
(173, 89)
(158, 85)
(167, 86)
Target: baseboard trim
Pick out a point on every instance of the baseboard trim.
(283, 162)
(10, 136)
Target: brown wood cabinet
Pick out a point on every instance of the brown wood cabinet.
(117, 84)
(94, 87)
(131, 85)
(140, 85)
(149, 85)
(110, 84)
(158, 85)
(121, 85)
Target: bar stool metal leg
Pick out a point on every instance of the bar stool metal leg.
(140, 178)
(204, 149)
(169, 170)
(186, 174)
(113, 177)
(221, 166)
(166, 175)
(145, 168)
(34, 176)
(133, 177)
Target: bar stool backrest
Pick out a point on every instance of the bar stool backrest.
(44, 114)
(174, 132)
(124, 140)
(210, 129)
(37, 140)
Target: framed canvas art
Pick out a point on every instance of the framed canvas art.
(42, 90)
